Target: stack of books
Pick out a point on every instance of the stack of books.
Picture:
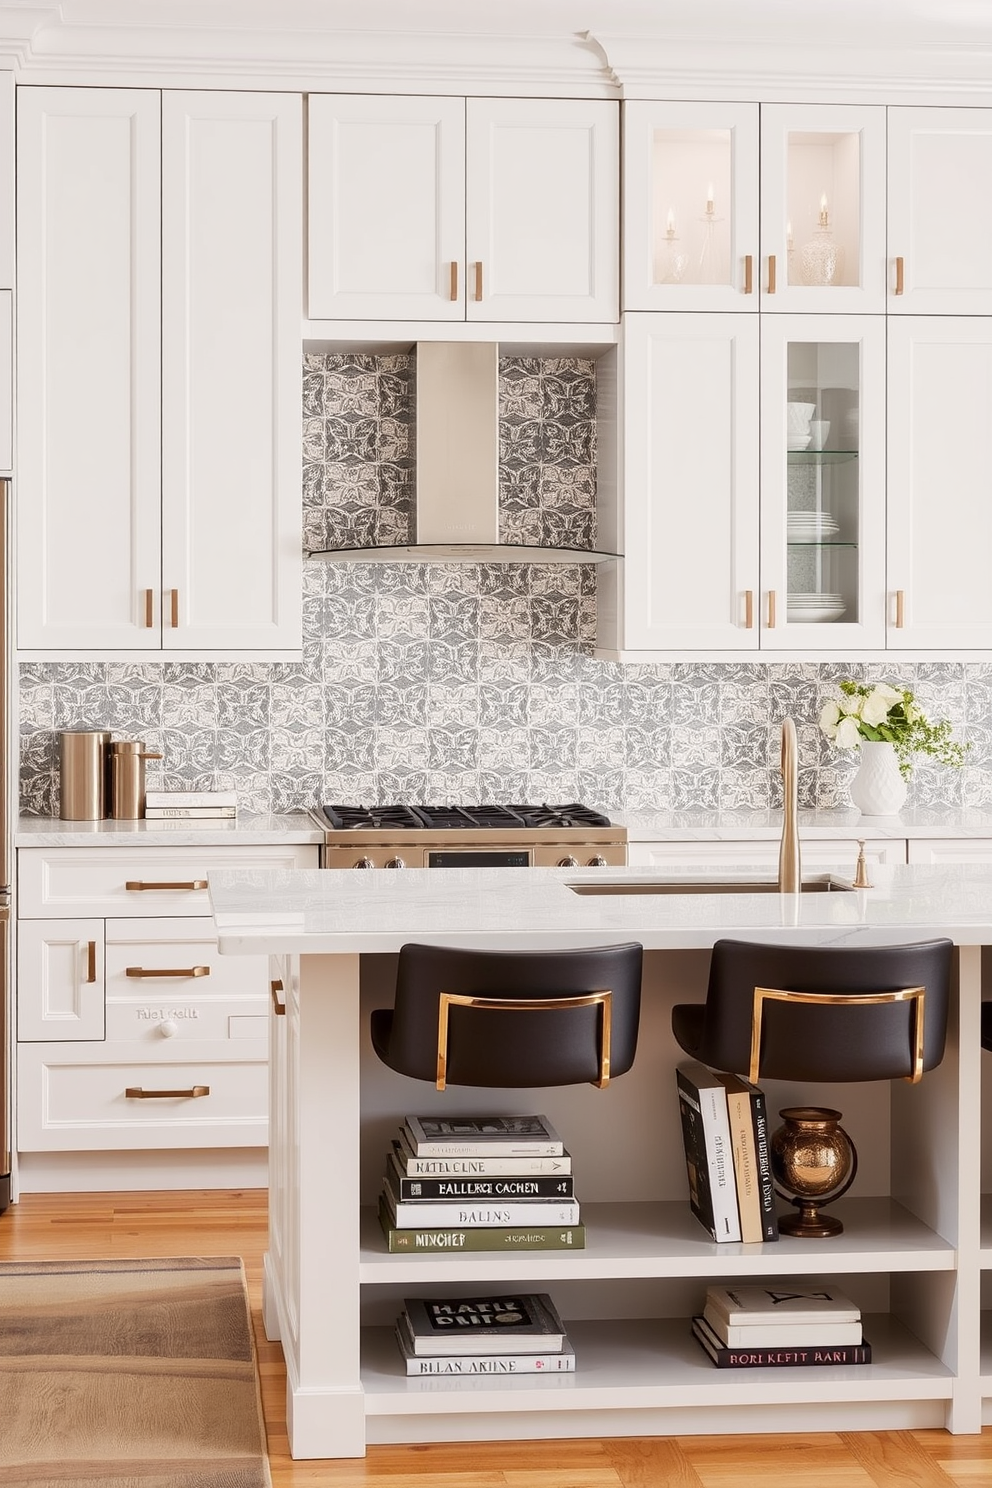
(205, 805)
(521, 1334)
(780, 1324)
(479, 1183)
(727, 1154)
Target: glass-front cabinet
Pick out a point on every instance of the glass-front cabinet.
(822, 482)
(701, 234)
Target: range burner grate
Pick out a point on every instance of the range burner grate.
(461, 818)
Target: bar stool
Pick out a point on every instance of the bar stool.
(512, 1019)
(820, 1012)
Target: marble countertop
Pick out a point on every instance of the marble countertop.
(918, 823)
(317, 911)
(47, 831)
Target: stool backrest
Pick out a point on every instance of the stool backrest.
(835, 1040)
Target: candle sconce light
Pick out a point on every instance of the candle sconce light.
(821, 260)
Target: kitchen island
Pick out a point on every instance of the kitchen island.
(914, 1251)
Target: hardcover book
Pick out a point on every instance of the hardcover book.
(468, 1189)
(709, 1156)
(481, 1364)
(488, 1166)
(190, 813)
(513, 1238)
(191, 798)
(794, 1355)
(483, 1136)
(519, 1323)
(748, 1113)
(413, 1214)
(782, 1301)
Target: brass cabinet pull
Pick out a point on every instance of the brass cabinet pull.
(900, 608)
(771, 273)
(771, 609)
(138, 885)
(748, 609)
(91, 960)
(149, 608)
(279, 1008)
(453, 287)
(748, 273)
(136, 1092)
(900, 275)
(174, 608)
(167, 971)
(478, 281)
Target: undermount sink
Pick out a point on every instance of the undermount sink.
(823, 883)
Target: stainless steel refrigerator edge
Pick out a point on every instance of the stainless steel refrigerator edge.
(6, 1011)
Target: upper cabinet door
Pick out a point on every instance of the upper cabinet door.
(822, 208)
(232, 253)
(940, 518)
(386, 208)
(690, 206)
(940, 211)
(88, 309)
(543, 202)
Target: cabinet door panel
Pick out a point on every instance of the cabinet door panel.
(542, 205)
(88, 367)
(690, 432)
(940, 210)
(60, 980)
(231, 293)
(386, 207)
(939, 520)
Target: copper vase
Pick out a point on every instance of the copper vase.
(813, 1162)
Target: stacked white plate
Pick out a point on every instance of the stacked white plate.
(809, 609)
(810, 526)
(798, 441)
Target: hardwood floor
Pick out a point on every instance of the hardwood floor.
(78, 1226)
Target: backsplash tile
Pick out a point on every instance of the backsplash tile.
(433, 682)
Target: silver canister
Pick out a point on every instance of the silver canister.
(83, 755)
(127, 779)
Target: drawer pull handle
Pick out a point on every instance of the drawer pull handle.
(138, 885)
(167, 971)
(771, 273)
(135, 1092)
(478, 280)
(91, 960)
(900, 276)
(149, 608)
(453, 284)
(749, 273)
(279, 1008)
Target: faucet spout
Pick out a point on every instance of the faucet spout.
(789, 868)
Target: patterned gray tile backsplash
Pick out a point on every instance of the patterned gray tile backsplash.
(473, 683)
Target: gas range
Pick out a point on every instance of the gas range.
(399, 836)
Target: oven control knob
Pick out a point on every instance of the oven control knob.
(395, 863)
(597, 862)
(568, 862)
(363, 863)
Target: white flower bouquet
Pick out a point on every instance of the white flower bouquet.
(888, 715)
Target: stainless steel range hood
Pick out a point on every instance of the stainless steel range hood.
(457, 445)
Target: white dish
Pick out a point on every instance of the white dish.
(798, 441)
(811, 615)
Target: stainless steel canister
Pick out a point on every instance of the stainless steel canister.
(127, 779)
(83, 774)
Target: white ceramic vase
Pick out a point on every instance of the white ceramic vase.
(878, 789)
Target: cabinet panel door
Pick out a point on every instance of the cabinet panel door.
(690, 438)
(386, 207)
(939, 517)
(60, 980)
(88, 395)
(231, 369)
(940, 210)
(542, 236)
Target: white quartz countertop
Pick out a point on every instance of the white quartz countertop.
(915, 823)
(513, 908)
(47, 831)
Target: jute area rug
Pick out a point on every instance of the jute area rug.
(129, 1374)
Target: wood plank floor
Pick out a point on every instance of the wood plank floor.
(78, 1226)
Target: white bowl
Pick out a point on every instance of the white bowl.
(799, 416)
(798, 441)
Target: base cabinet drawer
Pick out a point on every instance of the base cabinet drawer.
(75, 1098)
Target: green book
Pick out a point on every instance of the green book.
(551, 1237)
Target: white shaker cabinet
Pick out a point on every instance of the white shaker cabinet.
(939, 518)
(158, 491)
(940, 211)
(472, 209)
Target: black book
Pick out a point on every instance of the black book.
(793, 1356)
(467, 1187)
(516, 1324)
(709, 1157)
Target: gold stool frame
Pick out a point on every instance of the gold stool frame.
(916, 995)
(602, 999)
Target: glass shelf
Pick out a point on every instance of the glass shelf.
(820, 457)
(819, 542)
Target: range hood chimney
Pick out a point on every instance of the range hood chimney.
(457, 444)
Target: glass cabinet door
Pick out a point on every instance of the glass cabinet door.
(822, 483)
(690, 206)
(822, 208)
